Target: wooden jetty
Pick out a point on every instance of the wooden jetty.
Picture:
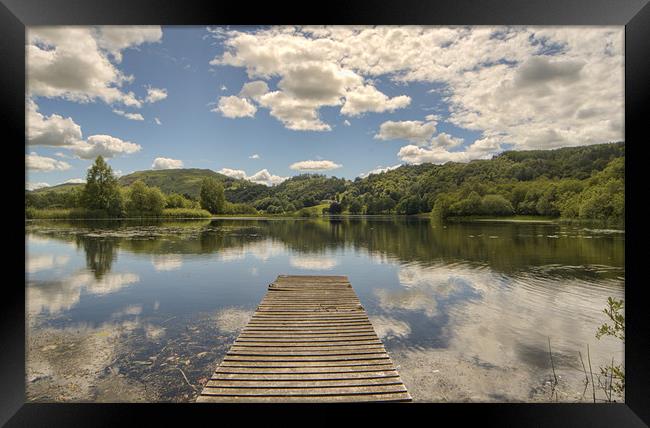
(309, 340)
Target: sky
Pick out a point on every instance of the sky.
(268, 103)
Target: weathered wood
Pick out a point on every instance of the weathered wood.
(310, 340)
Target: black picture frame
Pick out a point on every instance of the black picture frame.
(15, 15)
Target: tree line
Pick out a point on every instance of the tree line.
(576, 182)
(102, 196)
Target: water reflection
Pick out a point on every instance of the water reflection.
(477, 301)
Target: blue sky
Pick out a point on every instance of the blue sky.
(350, 100)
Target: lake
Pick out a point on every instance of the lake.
(144, 311)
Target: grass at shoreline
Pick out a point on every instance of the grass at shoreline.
(83, 214)
(314, 212)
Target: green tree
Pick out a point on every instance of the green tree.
(101, 191)
(212, 196)
(355, 206)
(175, 200)
(335, 208)
(496, 205)
(144, 200)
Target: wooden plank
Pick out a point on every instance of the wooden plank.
(319, 391)
(307, 370)
(310, 340)
(393, 397)
(306, 376)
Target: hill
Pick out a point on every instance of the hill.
(534, 182)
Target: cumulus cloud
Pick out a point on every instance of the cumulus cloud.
(155, 94)
(34, 186)
(310, 77)
(265, 177)
(260, 177)
(379, 170)
(481, 149)
(239, 174)
(166, 163)
(75, 181)
(254, 156)
(114, 39)
(105, 146)
(511, 84)
(314, 165)
(367, 98)
(416, 131)
(53, 130)
(254, 90)
(234, 106)
(36, 162)
(131, 116)
(158, 122)
(73, 63)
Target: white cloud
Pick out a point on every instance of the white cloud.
(346, 122)
(234, 173)
(416, 131)
(310, 77)
(72, 62)
(265, 177)
(445, 140)
(131, 116)
(34, 186)
(52, 130)
(155, 94)
(234, 107)
(166, 163)
(379, 170)
(254, 90)
(367, 98)
(224, 88)
(296, 114)
(104, 145)
(314, 165)
(75, 181)
(114, 39)
(514, 85)
(44, 164)
(481, 149)
(260, 177)
(158, 122)
(254, 156)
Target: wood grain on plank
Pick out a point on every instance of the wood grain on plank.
(310, 340)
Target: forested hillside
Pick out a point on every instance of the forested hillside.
(573, 182)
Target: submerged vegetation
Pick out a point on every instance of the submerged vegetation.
(576, 183)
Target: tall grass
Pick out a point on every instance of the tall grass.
(185, 213)
(81, 213)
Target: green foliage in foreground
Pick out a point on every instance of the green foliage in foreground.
(613, 375)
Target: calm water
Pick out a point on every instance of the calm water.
(127, 311)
